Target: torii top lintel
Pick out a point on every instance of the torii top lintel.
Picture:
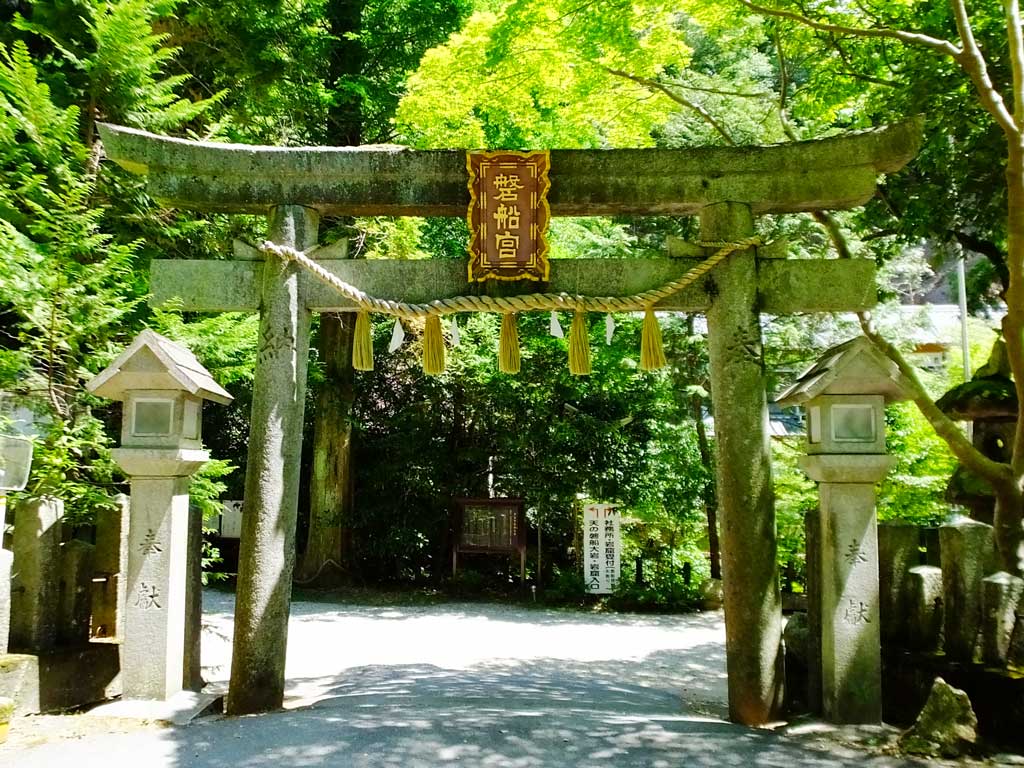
(832, 173)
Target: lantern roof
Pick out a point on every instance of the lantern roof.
(855, 367)
(988, 396)
(153, 361)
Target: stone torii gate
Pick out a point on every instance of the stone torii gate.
(726, 187)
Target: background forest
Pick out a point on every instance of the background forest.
(388, 450)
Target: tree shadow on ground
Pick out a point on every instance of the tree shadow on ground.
(546, 712)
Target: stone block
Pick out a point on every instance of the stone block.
(968, 555)
(1000, 597)
(924, 608)
(60, 679)
(19, 681)
(35, 580)
(898, 552)
(75, 608)
(110, 567)
(1015, 653)
(6, 561)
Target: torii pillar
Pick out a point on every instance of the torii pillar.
(753, 608)
(266, 555)
(725, 186)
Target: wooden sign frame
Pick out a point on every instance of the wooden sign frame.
(520, 252)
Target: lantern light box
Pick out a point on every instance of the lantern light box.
(844, 394)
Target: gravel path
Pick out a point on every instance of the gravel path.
(458, 684)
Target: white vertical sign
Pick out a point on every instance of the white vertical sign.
(601, 547)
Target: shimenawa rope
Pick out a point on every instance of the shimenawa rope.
(652, 355)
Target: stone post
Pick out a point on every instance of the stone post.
(898, 552)
(924, 608)
(968, 554)
(35, 584)
(850, 632)
(152, 651)
(753, 608)
(110, 566)
(1000, 596)
(76, 567)
(267, 547)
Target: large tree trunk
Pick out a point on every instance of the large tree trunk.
(710, 498)
(328, 552)
(1009, 500)
(326, 560)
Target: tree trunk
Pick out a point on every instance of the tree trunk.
(328, 551)
(1009, 500)
(326, 560)
(710, 498)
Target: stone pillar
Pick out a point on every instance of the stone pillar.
(850, 633)
(6, 561)
(1000, 596)
(812, 545)
(267, 547)
(924, 608)
(192, 679)
(152, 652)
(35, 583)
(968, 555)
(110, 567)
(753, 608)
(75, 592)
(898, 552)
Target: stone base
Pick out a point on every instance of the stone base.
(61, 679)
(180, 709)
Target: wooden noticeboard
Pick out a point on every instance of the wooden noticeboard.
(489, 526)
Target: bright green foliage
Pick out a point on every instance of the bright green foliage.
(64, 282)
(538, 75)
(915, 489)
(71, 289)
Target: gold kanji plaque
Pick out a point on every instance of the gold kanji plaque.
(508, 215)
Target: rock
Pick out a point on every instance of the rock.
(712, 595)
(946, 727)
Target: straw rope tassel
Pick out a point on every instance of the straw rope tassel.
(579, 345)
(508, 344)
(362, 343)
(652, 352)
(433, 346)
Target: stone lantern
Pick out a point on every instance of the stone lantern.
(163, 387)
(989, 403)
(844, 394)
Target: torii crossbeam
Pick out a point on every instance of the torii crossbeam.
(725, 187)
